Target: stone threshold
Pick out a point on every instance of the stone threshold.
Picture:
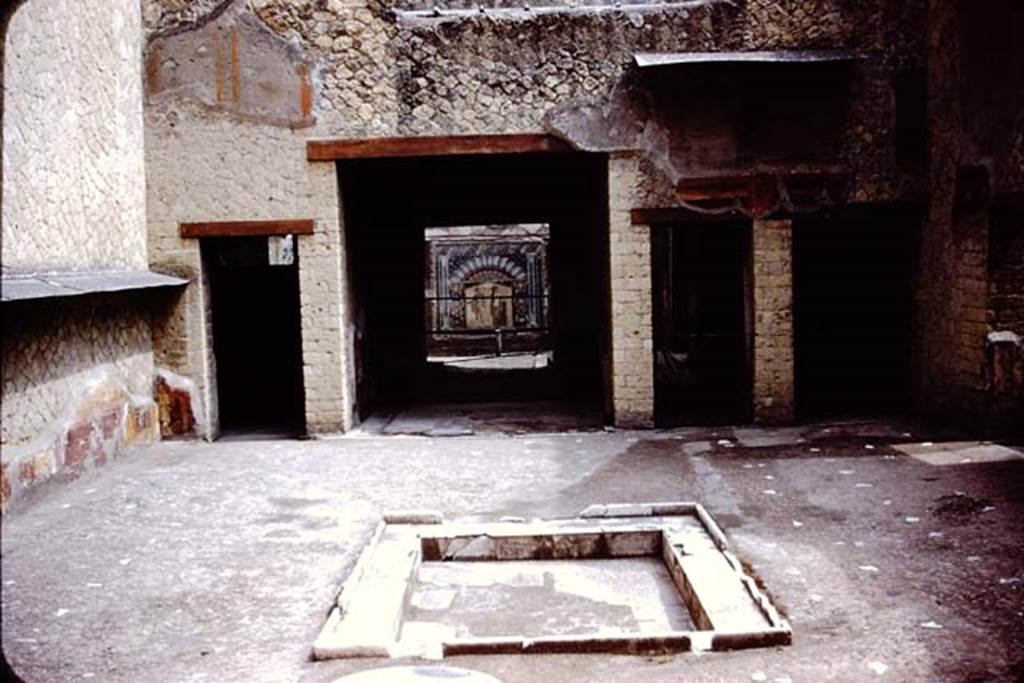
(726, 605)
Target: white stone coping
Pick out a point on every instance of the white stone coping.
(729, 609)
(648, 59)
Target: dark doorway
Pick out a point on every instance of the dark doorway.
(392, 209)
(254, 285)
(852, 296)
(701, 323)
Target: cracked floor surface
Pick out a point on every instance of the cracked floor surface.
(219, 562)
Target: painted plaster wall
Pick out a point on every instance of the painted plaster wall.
(77, 386)
(51, 349)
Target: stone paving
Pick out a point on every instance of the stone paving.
(542, 597)
(219, 562)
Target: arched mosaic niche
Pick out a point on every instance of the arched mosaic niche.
(487, 276)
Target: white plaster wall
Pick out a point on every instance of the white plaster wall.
(74, 175)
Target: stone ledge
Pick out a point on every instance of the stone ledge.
(60, 284)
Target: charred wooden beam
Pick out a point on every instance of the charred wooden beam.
(443, 145)
(247, 228)
(680, 215)
(766, 193)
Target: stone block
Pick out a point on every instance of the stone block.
(495, 645)
(468, 549)
(626, 510)
(522, 548)
(722, 642)
(633, 644)
(413, 517)
(579, 546)
(633, 543)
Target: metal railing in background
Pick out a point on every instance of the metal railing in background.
(441, 312)
(447, 317)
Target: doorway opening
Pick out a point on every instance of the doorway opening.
(852, 297)
(257, 344)
(479, 279)
(702, 323)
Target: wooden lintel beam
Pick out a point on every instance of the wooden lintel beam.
(714, 187)
(679, 214)
(444, 145)
(760, 193)
(247, 228)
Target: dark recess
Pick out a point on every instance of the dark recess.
(852, 295)
(701, 326)
(256, 337)
(387, 205)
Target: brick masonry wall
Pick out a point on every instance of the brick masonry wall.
(328, 373)
(1005, 348)
(182, 329)
(632, 329)
(773, 321)
(951, 290)
(1006, 283)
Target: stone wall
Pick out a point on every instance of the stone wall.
(381, 69)
(77, 373)
(1004, 350)
(959, 299)
(1006, 270)
(74, 179)
(631, 324)
(403, 69)
(773, 321)
(246, 171)
(77, 386)
(327, 357)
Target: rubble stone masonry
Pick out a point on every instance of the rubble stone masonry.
(74, 179)
(77, 373)
(77, 387)
(216, 151)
